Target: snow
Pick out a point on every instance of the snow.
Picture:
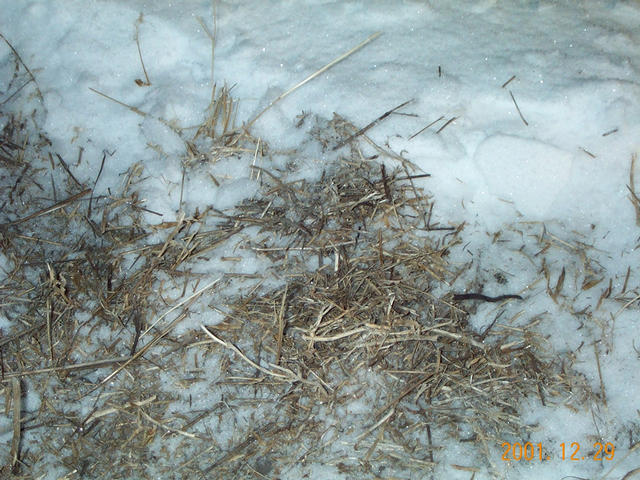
(532, 173)
(564, 173)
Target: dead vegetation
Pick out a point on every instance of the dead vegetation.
(349, 351)
(363, 278)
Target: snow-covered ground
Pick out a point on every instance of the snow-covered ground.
(539, 116)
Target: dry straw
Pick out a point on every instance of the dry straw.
(349, 350)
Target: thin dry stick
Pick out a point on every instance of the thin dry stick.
(423, 129)
(314, 75)
(588, 152)
(186, 303)
(139, 82)
(234, 453)
(49, 317)
(212, 37)
(8, 376)
(104, 157)
(333, 338)
(253, 163)
(181, 189)
(625, 306)
(137, 111)
(165, 246)
(170, 429)
(67, 169)
(111, 410)
(451, 120)
(513, 77)
(140, 352)
(130, 107)
(15, 441)
(377, 424)
(632, 188)
(457, 336)
(372, 124)
(50, 209)
(281, 323)
(289, 375)
(602, 391)
(374, 445)
(518, 108)
(33, 79)
(179, 304)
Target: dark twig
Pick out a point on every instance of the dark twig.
(15, 52)
(423, 129)
(50, 209)
(484, 298)
(370, 125)
(513, 77)
(518, 108)
(451, 120)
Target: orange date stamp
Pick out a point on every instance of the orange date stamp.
(566, 451)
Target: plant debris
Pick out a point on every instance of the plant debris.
(349, 350)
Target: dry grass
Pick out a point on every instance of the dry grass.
(350, 350)
(361, 318)
(86, 295)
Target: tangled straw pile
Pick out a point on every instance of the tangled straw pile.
(362, 322)
(348, 351)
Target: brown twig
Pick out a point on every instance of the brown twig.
(370, 125)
